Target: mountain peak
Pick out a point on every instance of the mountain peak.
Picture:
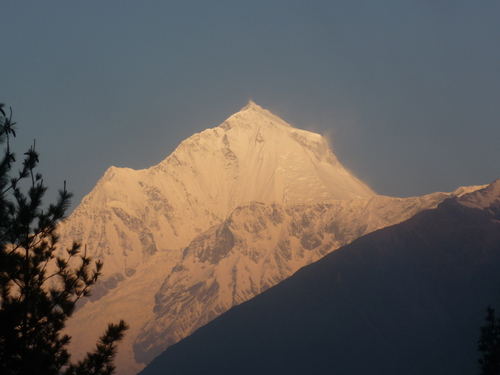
(263, 158)
(253, 116)
(253, 106)
(485, 198)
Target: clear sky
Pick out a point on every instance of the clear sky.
(408, 92)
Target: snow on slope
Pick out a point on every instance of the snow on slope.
(486, 198)
(253, 156)
(132, 301)
(397, 295)
(258, 246)
(232, 211)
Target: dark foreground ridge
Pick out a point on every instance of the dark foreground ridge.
(407, 299)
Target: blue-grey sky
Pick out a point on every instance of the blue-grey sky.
(408, 92)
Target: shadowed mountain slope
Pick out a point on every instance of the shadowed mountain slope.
(406, 299)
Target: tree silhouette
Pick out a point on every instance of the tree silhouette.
(489, 344)
(39, 285)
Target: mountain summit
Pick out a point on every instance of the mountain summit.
(253, 156)
(231, 212)
(256, 156)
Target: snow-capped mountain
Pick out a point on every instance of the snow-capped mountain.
(407, 299)
(252, 156)
(231, 212)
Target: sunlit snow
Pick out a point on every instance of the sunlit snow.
(231, 212)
